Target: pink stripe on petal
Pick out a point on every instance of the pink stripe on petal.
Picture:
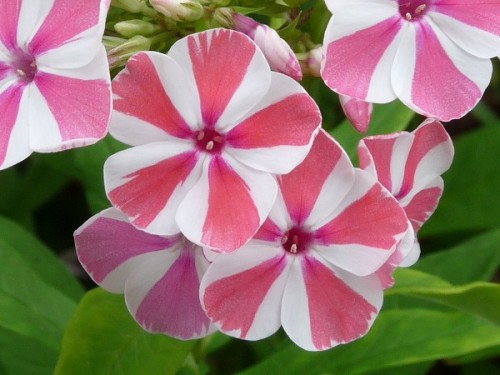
(482, 15)
(233, 301)
(427, 138)
(345, 71)
(9, 9)
(269, 231)
(140, 93)
(422, 206)
(4, 70)
(66, 20)
(290, 121)
(150, 188)
(220, 64)
(379, 151)
(434, 69)
(232, 216)
(372, 220)
(10, 100)
(337, 313)
(107, 243)
(81, 107)
(385, 272)
(173, 306)
(301, 187)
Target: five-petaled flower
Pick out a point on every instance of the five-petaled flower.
(55, 89)
(212, 125)
(409, 165)
(311, 266)
(434, 55)
(160, 275)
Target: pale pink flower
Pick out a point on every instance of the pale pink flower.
(410, 165)
(277, 52)
(310, 268)
(159, 275)
(434, 55)
(358, 112)
(212, 125)
(54, 78)
(179, 10)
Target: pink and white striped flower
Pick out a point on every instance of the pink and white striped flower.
(310, 267)
(55, 89)
(160, 275)
(410, 165)
(211, 125)
(434, 55)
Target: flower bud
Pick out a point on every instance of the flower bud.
(358, 112)
(278, 53)
(136, 27)
(133, 6)
(119, 55)
(313, 61)
(179, 10)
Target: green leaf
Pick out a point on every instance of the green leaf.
(39, 258)
(34, 305)
(387, 118)
(475, 259)
(103, 338)
(479, 298)
(398, 338)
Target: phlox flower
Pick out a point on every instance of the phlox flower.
(276, 50)
(409, 165)
(55, 89)
(310, 267)
(434, 55)
(159, 275)
(211, 126)
(358, 112)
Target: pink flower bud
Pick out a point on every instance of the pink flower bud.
(179, 10)
(313, 61)
(358, 112)
(278, 53)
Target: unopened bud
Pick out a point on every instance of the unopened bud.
(358, 112)
(119, 55)
(132, 6)
(278, 53)
(313, 62)
(136, 27)
(179, 10)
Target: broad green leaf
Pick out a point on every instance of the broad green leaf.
(470, 199)
(397, 338)
(478, 298)
(41, 260)
(387, 118)
(33, 312)
(476, 259)
(103, 338)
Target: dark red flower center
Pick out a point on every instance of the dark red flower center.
(24, 65)
(296, 240)
(413, 9)
(209, 140)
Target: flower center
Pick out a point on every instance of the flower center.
(296, 240)
(25, 66)
(413, 9)
(209, 140)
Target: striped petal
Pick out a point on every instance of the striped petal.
(227, 205)
(231, 74)
(324, 306)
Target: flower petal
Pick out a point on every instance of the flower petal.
(241, 292)
(231, 74)
(365, 228)
(471, 24)
(67, 112)
(109, 248)
(10, 22)
(162, 293)
(227, 205)
(324, 306)
(434, 77)
(152, 101)
(360, 43)
(278, 132)
(148, 182)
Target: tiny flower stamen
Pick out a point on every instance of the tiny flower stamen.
(412, 10)
(218, 139)
(408, 16)
(210, 145)
(200, 135)
(420, 8)
(20, 72)
(293, 248)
